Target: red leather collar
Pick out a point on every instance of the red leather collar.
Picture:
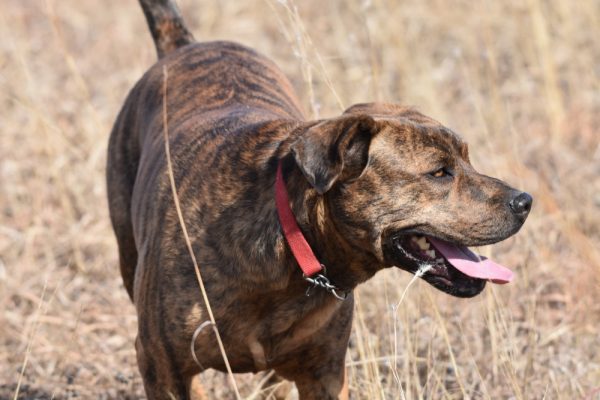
(300, 248)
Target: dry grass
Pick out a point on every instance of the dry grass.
(520, 80)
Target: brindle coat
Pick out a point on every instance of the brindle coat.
(355, 181)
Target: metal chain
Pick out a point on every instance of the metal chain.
(322, 281)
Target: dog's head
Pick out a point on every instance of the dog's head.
(400, 186)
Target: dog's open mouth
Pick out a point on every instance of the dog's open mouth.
(451, 268)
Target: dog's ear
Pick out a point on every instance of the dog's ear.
(334, 149)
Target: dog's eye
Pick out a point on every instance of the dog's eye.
(440, 173)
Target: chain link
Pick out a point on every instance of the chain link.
(323, 282)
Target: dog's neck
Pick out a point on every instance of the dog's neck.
(346, 266)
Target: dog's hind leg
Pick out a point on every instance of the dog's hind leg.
(121, 170)
(121, 219)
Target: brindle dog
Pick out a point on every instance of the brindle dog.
(361, 185)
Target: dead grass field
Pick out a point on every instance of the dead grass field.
(519, 79)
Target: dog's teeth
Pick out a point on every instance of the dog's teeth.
(430, 253)
(423, 243)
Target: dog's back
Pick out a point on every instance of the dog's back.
(215, 91)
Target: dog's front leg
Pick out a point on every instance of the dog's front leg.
(318, 368)
(332, 386)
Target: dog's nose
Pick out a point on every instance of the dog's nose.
(521, 204)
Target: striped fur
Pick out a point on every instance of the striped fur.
(355, 181)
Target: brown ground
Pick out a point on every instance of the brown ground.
(520, 80)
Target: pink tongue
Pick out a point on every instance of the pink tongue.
(471, 264)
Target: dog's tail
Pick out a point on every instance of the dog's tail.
(166, 25)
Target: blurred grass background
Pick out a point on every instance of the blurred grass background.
(520, 80)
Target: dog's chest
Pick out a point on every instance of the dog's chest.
(288, 328)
